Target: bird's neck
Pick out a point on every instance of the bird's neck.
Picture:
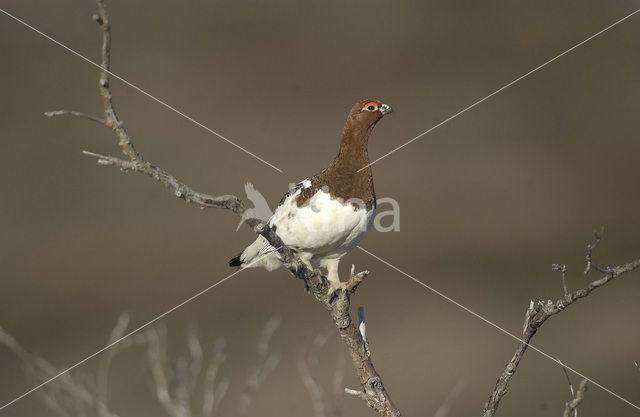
(353, 154)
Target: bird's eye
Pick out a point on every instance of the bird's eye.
(370, 106)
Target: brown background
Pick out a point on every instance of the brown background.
(488, 201)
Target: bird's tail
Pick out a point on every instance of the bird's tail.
(259, 254)
(235, 261)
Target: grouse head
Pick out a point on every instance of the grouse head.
(368, 112)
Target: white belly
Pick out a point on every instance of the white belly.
(322, 227)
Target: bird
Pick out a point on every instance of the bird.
(325, 216)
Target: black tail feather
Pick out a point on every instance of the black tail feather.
(235, 261)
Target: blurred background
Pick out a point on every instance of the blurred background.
(488, 201)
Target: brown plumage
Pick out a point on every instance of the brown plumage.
(325, 216)
(343, 178)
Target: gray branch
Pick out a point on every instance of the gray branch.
(57, 113)
(337, 304)
(267, 361)
(323, 402)
(538, 313)
(571, 407)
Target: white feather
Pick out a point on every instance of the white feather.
(321, 231)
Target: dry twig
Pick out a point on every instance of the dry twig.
(307, 366)
(266, 363)
(373, 390)
(571, 407)
(178, 388)
(563, 271)
(539, 312)
(68, 395)
(574, 411)
(105, 361)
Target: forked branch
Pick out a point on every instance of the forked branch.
(338, 304)
(538, 313)
(571, 407)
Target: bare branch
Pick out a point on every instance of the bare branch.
(539, 312)
(355, 279)
(355, 393)
(563, 271)
(195, 350)
(265, 364)
(212, 394)
(566, 374)
(134, 160)
(337, 304)
(66, 395)
(102, 376)
(571, 390)
(589, 256)
(306, 365)
(58, 113)
(308, 359)
(156, 354)
(571, 408)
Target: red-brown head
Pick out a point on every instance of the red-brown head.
(368, 112)
(353, 147)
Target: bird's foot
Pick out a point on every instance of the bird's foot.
(335, 286)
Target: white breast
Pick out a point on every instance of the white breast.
(322, 226)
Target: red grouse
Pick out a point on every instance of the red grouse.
(324, 217)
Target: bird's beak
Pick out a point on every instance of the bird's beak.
(385, 109)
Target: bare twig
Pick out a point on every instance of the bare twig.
(355, 393)
(134, 161)
(156, 354)
(566, 375)
(589, 256)
(195, 350)
(102, 376)
(177, 387)
(67, 395)
(306, 366)
(571, 390)
(212, 394)
(355, 279)
(539, 312)
(563, 271)
(571, 407)
(58, 113)
(266, 363)
(308, 360)
(337, 304)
